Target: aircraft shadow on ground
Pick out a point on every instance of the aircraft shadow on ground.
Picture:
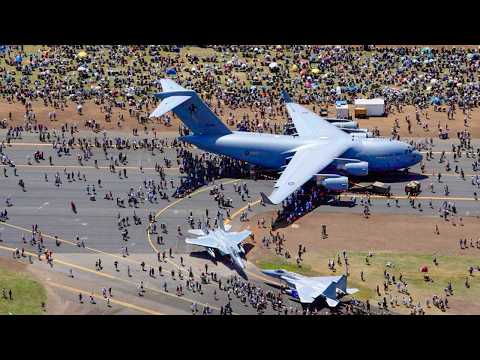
(248, 247)
(223, 259)
(203, 255)
(329, 201)
(392, 177)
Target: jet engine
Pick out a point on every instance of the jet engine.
(346, 124)
(336, 183)
(356, 169)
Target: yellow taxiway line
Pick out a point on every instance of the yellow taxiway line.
(78, 291)
(84, 167)
(239, 211)
(28, 144)
(20, 228)
(228, 221)
(400, 197)
(99, 252)
(114, 301)
(111, 277)
(236, 213)
(161, 211)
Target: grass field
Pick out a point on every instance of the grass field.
(276, 263)
(27, 293)
(450, 268)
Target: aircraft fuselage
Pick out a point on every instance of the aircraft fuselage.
(272, 151)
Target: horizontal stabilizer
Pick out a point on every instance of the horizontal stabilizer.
(169, 85)
(331, 302)
(351, 291)
(169, 104)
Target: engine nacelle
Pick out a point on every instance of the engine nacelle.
(345, 124)
(356, 169)
(336, 183)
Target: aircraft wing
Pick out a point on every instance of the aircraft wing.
(307, 161)
(198, 232)
(307, 294)
(307, 123)
(205, 241)
(237, 238)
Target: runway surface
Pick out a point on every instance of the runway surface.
(96, 223)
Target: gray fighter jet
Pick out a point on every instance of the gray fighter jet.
(308, 289)
(222, 240)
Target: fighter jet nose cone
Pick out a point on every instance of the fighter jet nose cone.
(269, 272)
(418, 157)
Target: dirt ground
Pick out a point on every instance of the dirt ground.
(91, 111)
(384, 124)
(381, 232)
(408, 241)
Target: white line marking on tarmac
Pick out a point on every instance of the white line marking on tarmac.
(43, 205)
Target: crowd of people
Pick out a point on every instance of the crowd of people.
(240, 82)
(243, 84)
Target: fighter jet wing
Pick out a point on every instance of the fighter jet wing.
(307, 161)
(307, 123)
(198, 232)
(237, 238)
(307, 294)
(205, 241)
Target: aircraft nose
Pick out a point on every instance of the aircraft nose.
(268, 272)
(417, 156)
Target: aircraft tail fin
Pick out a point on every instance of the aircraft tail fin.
(286, 97)
(192, 111)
